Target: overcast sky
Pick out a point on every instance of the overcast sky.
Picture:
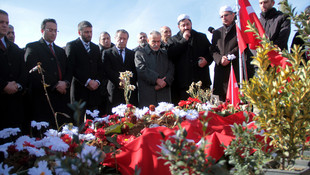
(109, 15)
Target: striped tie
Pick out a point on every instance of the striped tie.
(87, 47)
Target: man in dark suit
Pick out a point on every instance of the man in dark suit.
(120, 59)
(54, 63)
(12, 79)
(189, 51)
(86, 67)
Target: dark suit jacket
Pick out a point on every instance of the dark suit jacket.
(12, 68)
(84, 66)
(113, 65)
(39, 52)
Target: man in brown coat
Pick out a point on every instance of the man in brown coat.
(224, 42)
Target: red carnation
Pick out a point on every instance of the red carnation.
(67, 139)
(182, 103)
(194, 100)
(100, 134)
(129, 106)
(89, 131)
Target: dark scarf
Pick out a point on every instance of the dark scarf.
(270, 13)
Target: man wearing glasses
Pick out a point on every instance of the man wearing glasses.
(53, 61)
(224, 42)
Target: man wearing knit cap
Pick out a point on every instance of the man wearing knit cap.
(224, 43)
(190, 54)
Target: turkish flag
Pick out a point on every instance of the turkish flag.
(247, 13)
(232, 95)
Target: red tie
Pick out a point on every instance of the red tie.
(59, 71)
(2, 45)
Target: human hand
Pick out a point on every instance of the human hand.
(157, 87)
(187, 34)
(11, 87)
(61, 87)
(202, 62)
(93, 85)
(224, 61)
(161, 82)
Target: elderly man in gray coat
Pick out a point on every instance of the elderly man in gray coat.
(155, 72)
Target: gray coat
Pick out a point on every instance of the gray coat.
(150, 66)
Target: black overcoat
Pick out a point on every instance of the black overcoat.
(113, 64)
(36, 52)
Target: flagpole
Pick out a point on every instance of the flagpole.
(240, 55)
(232, 84)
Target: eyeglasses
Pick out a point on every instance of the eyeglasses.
(224, 15)
(52, 30)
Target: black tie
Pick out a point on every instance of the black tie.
(121, 53)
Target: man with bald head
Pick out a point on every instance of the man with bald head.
(225, 43)
(276, 24)
(155, 72)
(165, 32)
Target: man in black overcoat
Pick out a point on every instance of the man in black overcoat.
(88, 83)
(225, 43)
(120, 59)
(189, 51)
(53, 61)
(12, 79)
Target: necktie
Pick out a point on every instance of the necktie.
(87, 47)
(121, 54)
(2, 45)
(58, 67)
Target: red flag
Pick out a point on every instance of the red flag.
(247, 13)
(241, 43)
(232, 95)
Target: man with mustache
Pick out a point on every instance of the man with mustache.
(155, 72)
(190, 54)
